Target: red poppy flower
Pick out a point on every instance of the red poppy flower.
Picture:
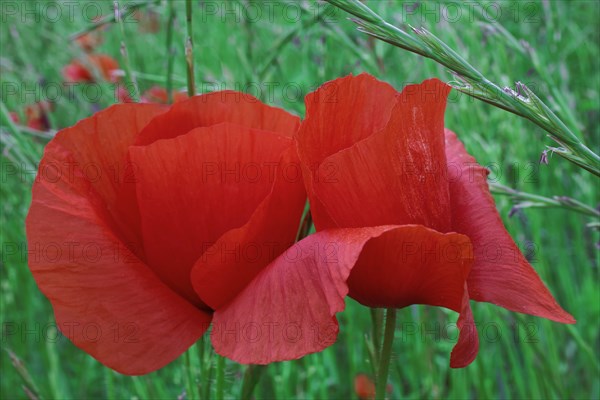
(15, 117)
(89, 41)
(105, 66)
(364, 387)
(157, 94)
(126, 203)
(123, 95)
(37, 115)
(403, 216)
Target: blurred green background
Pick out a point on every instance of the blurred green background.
(280, 51)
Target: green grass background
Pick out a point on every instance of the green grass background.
(520, 356)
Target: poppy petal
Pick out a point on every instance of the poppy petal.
(342, 112)
(412, 265)
(97, 148)
(396, 176)
(417, 265)
(338, 114)
(289, 309)
(466, 348)
(75, 72)
(215, 108)
(500, 275)
(239, 255)
(106, 301)
(216, 177)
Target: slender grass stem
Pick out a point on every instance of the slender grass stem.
(276, 50)
(109, 19)
(386, 353)
(189, 49)
(129, 77)
(170, 51)
(28, 383)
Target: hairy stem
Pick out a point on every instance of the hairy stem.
(386, 353)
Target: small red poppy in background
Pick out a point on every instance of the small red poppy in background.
(123, 95)
(129, 201)
(15, 117)
(89, 41)
(36, 116)
(93, 66)
(157, 94)
(403, 216)
(364, 387)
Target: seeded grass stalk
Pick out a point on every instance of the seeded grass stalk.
(29, 385)
(129, 77)
(522, 101)
(528, 200)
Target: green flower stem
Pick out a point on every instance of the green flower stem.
(251, 377)
(189, 375)
(305, 226)
(204, 384)
(220, 378)
(376, 327)
(386, 353)
(110, 384)
(522, 102)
